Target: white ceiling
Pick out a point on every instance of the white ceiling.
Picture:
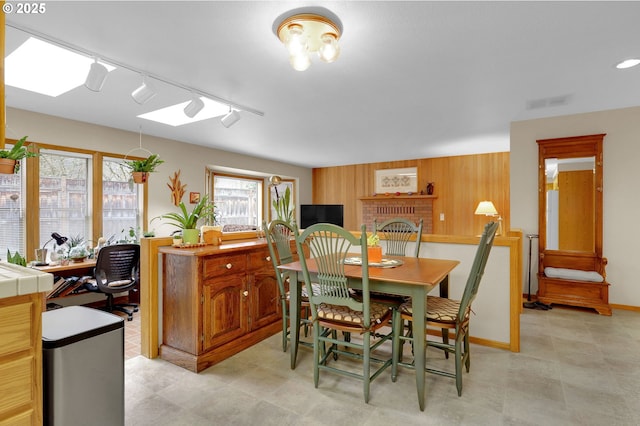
(414, 80)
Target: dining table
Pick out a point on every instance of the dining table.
(412, 277)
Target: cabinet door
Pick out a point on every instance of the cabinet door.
(265, 298)
(224, 310)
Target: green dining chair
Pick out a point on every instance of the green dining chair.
(397, 233)
(335, 309)
(448, 314)
(279, 235)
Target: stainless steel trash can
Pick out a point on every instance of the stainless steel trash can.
(83, 367)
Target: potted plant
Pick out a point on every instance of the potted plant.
(140, 169)
(77, 249)
(16, 259)
(374, 251)
(10, 159)
(204, 210)
(282, 206)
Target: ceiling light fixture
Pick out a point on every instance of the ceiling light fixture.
(96, 77)
(143, 93)
(230, 119)
(627, 63)
(305, 31)
(193, 107)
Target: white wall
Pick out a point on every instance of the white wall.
(491, 309)
(191, 160)
(621, 152)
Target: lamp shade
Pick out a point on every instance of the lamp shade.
(143, 93)
(486, 208)
(193, 107)
(229, 119)
(96, 77)
(60, 240)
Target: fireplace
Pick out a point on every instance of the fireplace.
(411, 207)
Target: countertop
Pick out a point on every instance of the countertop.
(17, 280)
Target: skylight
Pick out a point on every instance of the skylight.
(628, 63)
(174, 115)
(41, 67)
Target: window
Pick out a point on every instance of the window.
(65, 195)
(12, 213)
(239, 201)
(121, 201)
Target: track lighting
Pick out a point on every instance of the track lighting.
(143, 93)
(193, 107)
(229, 119)
(96, 77)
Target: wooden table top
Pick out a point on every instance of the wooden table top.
(414, 270)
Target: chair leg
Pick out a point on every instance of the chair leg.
(316, 353)
(396, 348)
(467, 354)
(458, 357)
(445, 340)
(366, 361)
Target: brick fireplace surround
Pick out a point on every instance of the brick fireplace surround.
(412, 207)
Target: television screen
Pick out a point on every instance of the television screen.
(321, 213)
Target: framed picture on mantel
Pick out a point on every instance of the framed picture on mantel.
(397, 180)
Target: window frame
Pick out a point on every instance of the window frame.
(32, 196)
(233, 235)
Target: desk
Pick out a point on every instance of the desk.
(78, 269)
(72, 268)
(414, 278)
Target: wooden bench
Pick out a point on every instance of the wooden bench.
(579, 279)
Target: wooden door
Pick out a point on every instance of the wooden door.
(224, 310)
(264, 299)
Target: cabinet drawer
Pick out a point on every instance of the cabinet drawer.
(16, 328)
(260, 259)
(216, 266)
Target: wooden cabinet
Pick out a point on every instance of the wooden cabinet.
(21, 360)
(217, 301)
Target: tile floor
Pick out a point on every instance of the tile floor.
(575, 368)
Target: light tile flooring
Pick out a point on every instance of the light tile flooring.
(575, 368)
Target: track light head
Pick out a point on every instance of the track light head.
(96, 77)
(143, 93)
(193, 107)
(230, 119)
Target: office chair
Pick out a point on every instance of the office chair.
(116, 271)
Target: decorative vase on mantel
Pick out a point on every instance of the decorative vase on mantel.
(430, 188)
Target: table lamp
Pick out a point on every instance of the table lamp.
(41, 254)
(488, 209)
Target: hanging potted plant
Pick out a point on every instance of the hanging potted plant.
(140, 169)
(187, 222)
(10, 159)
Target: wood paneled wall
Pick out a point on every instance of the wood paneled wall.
(460, 182)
